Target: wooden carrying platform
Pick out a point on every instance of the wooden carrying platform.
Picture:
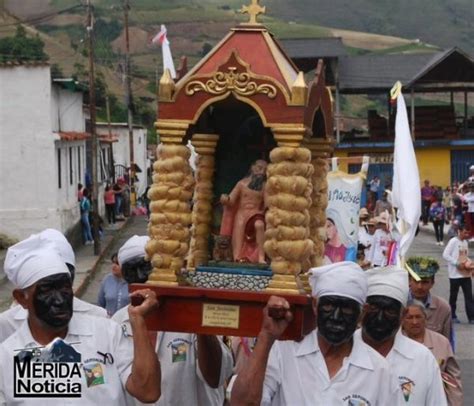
(222, 312)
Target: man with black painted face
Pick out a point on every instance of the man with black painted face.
(414, 366)
(43, 287)
(193, 367)
(328, 367)
(13, 318)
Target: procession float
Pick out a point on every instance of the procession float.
(249, 221)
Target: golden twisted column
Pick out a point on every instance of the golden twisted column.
(205, 145)
(320, 151)
(288, 190)
(170, 196)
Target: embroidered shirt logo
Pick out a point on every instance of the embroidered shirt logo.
(178, 352)
(406, 385)
(179, 349)
(356, 400)
(94, 373)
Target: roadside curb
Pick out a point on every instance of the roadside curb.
(79, 291)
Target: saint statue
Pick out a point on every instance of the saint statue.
(244, 215)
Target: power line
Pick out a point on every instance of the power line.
(35, 20)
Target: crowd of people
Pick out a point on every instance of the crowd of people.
(117, 207)
(382, 338)
(377, 239)
(452, 206)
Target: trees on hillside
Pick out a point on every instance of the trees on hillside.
(22, 48)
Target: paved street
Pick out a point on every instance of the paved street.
(135, 225)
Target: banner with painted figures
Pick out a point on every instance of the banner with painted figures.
(342, 213)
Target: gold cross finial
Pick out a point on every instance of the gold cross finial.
(253, 10)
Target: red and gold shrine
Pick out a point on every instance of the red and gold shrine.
(243, 216)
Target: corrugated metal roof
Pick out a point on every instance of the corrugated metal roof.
(328, 47)
(71, 84)
(450, 65)
(12, 64)
(380, 72)
(73, 135)
(108, 138)
(121, 125)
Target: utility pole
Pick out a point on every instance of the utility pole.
(95, 181)
(111, 155)
(126, 8)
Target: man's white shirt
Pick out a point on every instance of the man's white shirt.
(416, 371)
(182, 383)
(379, 249)
(451, 256)
(12, 319)
(469, 198)
(90, 336)
(297, 375)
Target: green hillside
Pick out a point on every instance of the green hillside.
(195, 26)
(442, 22)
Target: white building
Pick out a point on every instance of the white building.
(42, 150)
(69, 130)
(121, 150)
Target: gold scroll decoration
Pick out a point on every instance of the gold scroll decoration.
(231, 81)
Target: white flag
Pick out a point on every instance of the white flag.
(406, 195)
(162, 39)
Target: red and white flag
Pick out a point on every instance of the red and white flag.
(162, 39)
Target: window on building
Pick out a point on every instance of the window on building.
(59, 167)
(71, 170)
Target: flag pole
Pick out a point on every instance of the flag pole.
(403, 261)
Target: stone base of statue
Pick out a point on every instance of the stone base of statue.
(223, 311)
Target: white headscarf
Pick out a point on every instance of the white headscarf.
(31, 260)
(62, 244)
(346, 279)
(388, 281)
(134, 247)
(343, 227)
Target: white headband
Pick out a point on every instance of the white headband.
(388, 281)
(346, 279)
(134, 247)
(62, 244)
(31, 260)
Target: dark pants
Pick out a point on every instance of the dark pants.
(470, 222)
(466, 286)
(439, 230)
(425, 210)
(110, 209)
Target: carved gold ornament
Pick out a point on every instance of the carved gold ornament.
(253, 10)
(231, 81)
